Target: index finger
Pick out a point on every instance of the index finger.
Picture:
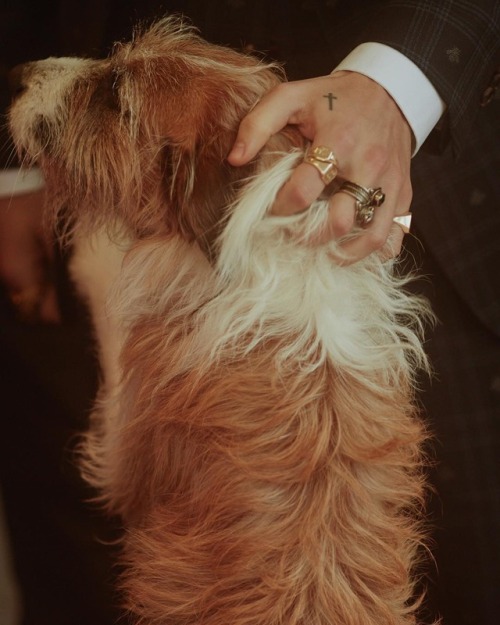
(270, 115)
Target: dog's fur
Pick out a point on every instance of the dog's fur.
(256, 427)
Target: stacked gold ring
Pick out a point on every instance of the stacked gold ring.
(323, 159)
(367, 200)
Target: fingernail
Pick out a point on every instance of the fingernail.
(237, 152)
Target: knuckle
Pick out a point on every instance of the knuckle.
(344, 140)
(376, 239)
(341, 225)
(253, 124)
(299, 196)
(282, 90)
(377, 158)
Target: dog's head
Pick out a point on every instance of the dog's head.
(141, 137)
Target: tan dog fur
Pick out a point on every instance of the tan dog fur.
(256, 427)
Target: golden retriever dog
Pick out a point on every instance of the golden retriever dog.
(256, 428)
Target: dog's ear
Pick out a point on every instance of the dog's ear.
(199, 124)
(200, 182)
(106, 94)
(184, 99)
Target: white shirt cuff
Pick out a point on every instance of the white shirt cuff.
(410, 88)
(19, 181)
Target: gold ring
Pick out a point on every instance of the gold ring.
(367, 200)
(403, 221)
(323, 159)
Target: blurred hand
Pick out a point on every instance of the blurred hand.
(25, 258)
(372, 142)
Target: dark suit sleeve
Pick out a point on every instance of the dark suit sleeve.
(456, 44)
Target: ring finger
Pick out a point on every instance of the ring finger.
(374, 235)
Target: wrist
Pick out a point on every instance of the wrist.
(408, 86)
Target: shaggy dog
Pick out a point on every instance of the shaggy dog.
(256, 427)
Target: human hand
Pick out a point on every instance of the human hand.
(26, 257)
(371, 139)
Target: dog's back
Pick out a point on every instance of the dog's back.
(258, 434)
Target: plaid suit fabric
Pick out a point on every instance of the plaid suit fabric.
(454, 42)
(456, 210)
(462, 404)
(456, 207)
(457, 223)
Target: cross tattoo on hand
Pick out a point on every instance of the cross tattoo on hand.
(331, 98)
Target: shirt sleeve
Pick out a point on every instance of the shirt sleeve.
(412, 91)
(19, 181)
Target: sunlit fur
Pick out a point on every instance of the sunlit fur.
(256, 426)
